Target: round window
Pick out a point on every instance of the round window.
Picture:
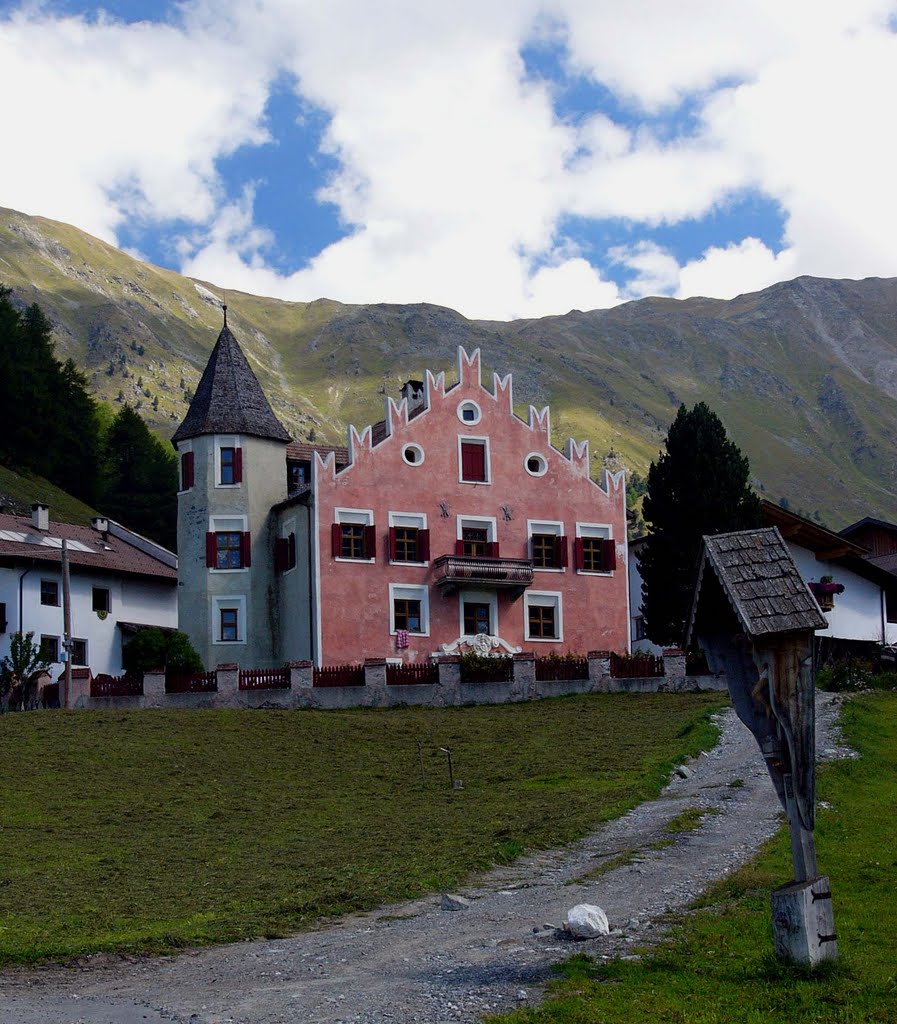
(413, 454)
(469, 412)
(536, 464)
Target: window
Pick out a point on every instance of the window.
(545, 553)
(49, 648)
(353, 535)
(79, 652)
(413, 454)
(101, 601)
(476, 537)
(536, 464)
(187, 470)
(409, 538)
(547, 544)
(474, 459)
(477, 618)
(409, 609)
(542, 611)
(228, 544)
(285, 552)
(469, 412)
(228, 461)
(49, 592)
(474, 541)
(594, 549)
(298, 475)
(229, 619)
(228, 465)
(638, 628)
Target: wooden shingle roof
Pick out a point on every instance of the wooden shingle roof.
(761, 581)
(229, 398)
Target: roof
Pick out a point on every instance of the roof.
(824, 543)
(868, 521)
(758, 576)
(87, 548)
(229, 398)
(299, 451)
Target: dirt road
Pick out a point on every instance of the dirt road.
(418, 963)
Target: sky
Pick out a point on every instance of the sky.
(506, 158)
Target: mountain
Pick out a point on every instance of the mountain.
(803, 374)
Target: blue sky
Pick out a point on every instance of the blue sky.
(519, 159)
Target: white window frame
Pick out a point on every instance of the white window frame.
(489, 597)
(551, 526)
(410, 592)
(227, 524)
(541, 458)
(477, 523)
(417, 520)
(183, 448)
(220, 601)
(79, 664)
(287, 527)
(478, 440)
(544, 599)
(469, 403)
(224, 441)
(356, 517)
(603, 530)
(418, 449)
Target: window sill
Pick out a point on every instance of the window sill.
(413, 565)
(594, 572)
(544, 639)
(548, 568)
(474, 482)
(244, 568)
(228, 643)
(355, 561)
(229, 487)
(393, 632)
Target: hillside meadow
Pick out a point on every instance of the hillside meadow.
(148, 830)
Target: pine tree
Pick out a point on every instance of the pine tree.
(698, 486)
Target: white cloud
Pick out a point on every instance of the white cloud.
(455, 172)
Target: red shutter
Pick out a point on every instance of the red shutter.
(238, 465)
(473, 461)
(211, 550)
(281, 554)
(187, 470)
(336, 540)
(246, 550)
(459, 547)
(578, 560)
(492, 549)
(608, 555)
(392, 542)
(370, 542)
(291, 552)
(423, 545)
(561, 552)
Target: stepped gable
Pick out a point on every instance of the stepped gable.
(229, 398)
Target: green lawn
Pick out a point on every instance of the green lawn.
(153, 829)
(718, 966)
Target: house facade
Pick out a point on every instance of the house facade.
(119, 582)
(450, 519)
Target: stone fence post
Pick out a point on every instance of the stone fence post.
(154, 688)
(228, 684)
(450, 678)
(674, 665)
(80, 688)
(523, 686)
(599, 671)
(301, 675)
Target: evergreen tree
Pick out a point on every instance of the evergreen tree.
(698, 486)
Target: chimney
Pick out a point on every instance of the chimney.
(100, 524)
(413, 393)
(40, 517)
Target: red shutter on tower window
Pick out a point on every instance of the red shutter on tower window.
(238, 465)
(561, 552)
(370, 542)
(392, 542)
(281, 554)
(211, 550)
(578, 560)
(608, 555)
(291, 551)
(336, 540)
(187, 470)
(423, 545)
(246, 550)
(459, 547)
(473, 461)
(492, 549)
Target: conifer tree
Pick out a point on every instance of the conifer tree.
(699, 486)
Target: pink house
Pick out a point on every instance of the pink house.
(452, 519)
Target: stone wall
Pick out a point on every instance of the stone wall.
(448, 692)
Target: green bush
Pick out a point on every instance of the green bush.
(154, 648)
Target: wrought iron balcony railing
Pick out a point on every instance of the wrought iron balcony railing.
(453, 571)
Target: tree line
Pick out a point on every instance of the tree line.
(53, 427)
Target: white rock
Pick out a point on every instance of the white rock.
(450, 902)
(683, 772)
(586, 921)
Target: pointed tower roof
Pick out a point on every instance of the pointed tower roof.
(229, 398)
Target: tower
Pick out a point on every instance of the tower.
(232, 458)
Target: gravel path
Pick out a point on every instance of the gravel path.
(417, 963)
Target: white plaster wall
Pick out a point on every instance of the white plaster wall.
(857, 612)
(131, 600)
(635, 605)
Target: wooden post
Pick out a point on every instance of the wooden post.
(66, 627)
(803, 924)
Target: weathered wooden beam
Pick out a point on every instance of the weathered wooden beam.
(803, 923)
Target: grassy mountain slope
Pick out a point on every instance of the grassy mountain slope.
(803, 374)
(19, 490)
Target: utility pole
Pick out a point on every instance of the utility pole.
(67, 626)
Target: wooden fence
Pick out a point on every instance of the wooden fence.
(412, 674)
(339, 675)
(116, 686)
(265, 679)
(636, 666)
(191, 682)
(549, 670)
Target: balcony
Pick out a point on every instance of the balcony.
(454, 571)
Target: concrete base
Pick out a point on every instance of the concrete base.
(803, 923)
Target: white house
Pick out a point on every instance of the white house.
(119, 582)
(858, 613)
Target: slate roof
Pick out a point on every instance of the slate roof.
(20, 541)
(761, 581)
(302, 451)
(229, 398)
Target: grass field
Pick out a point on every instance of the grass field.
(718, 966)
(148, 830)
